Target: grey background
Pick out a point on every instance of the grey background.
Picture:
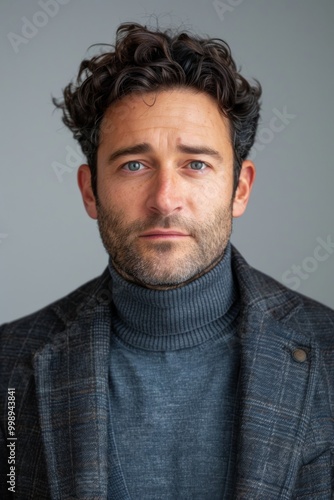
(49, 246)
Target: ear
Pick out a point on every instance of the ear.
(85, 186)
(243, 191)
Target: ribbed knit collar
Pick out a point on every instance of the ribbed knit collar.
(182, 317)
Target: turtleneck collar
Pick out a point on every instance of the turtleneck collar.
(182, 316)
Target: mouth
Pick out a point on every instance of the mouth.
(164, 234)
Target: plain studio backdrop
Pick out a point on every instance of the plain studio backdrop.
(49, 246)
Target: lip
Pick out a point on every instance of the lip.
(167, 233)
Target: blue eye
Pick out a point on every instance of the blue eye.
(133, 166)
(197, 165)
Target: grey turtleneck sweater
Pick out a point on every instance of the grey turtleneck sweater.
(173, 381)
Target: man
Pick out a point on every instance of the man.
(181, 372)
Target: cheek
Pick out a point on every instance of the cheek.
(118, 199)
(214, 195)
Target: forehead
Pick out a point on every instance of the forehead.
(184, 111)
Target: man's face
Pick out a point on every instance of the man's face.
(165, 186)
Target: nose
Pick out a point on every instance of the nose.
(165, 193)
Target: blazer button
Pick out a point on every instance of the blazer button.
(299, 355)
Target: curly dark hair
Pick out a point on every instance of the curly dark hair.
(143, 61)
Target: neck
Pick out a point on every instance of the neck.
(178, 317)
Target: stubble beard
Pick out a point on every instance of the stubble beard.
(162, 264)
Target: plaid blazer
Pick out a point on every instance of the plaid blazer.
(57, 360)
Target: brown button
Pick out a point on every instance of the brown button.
(299, 355)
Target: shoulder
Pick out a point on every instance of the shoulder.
(31, 332)
(289, 308)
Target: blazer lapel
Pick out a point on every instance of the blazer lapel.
(274, 397)
(73, 397)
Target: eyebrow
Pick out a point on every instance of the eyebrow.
(144, 147)
(199, 150)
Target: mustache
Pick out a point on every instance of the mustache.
(156, 221)
(152, 221)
